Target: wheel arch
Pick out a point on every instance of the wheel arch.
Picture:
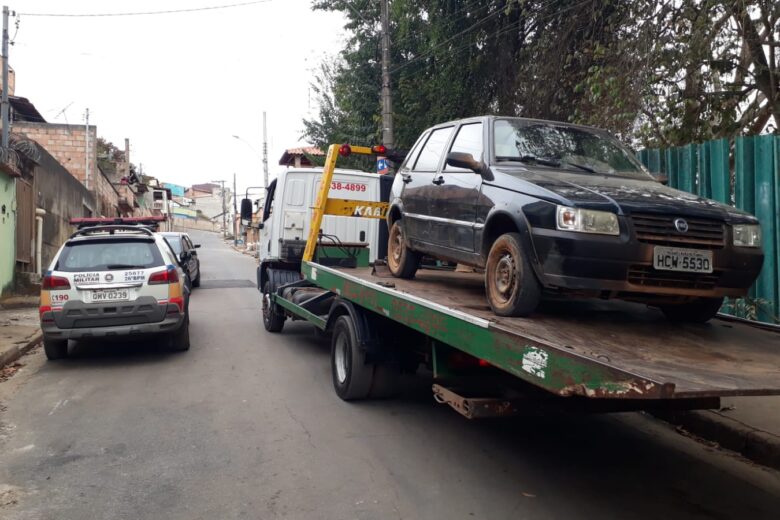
(502, 221)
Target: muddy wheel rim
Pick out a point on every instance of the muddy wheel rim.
(396, 246)
(505, 277)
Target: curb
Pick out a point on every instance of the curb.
(11, 355)
(757, 445)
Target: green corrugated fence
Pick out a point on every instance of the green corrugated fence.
(744, 173)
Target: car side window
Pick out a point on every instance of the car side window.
(431, 153)
(468, 140)
(188, 244)
(412, 156)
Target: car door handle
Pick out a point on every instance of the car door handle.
(439, 180)
(406, 178)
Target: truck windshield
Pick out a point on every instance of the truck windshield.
(577, 149)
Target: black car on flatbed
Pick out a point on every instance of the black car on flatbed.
(562, 208)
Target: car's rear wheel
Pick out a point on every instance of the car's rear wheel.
(196, 281)
(699, 310)
(180, 340)
(55, 348)
(273, 319)
(402, 261)
(510, 283)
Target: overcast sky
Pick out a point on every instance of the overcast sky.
(177, 85)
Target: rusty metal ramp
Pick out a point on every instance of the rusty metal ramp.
(591, 348)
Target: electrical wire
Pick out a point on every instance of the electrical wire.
(145, 13)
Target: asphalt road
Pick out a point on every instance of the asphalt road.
(246, 425)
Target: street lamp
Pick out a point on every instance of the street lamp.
(262, 159)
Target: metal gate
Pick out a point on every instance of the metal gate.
(25, 218)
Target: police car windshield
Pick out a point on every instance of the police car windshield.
(109, 255)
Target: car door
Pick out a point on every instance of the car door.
(194, 264)
(456, 192)
(419, 190)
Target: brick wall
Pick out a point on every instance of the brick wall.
(67, 144)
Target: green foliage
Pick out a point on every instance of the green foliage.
(655, 72)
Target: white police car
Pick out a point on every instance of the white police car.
(115, 278)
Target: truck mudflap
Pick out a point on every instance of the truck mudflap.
(594, 350)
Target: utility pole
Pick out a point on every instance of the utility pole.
(235, 214)
(5, 113)
(265, 153)
(387, 96)
(127, 159)
(86, 149)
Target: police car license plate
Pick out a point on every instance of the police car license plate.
(110, 295)
(684, 260)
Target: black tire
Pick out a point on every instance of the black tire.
(352, 376)
(401, 261)
(700, 310)
(179, 341)
(273, 318)
(196, 281)
(510, 283)
(55, 348)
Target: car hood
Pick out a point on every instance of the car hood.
(622, 194)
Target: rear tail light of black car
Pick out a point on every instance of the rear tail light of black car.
(587, 221)
(170, 275)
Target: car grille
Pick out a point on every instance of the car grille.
(660, 229)
(647, 276)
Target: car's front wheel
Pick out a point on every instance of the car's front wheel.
(510, 283)
(699, 310)
(401, 260)
(55, 348)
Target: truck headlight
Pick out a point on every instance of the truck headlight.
(587, 221)
(747, 235)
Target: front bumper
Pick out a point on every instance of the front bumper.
(622, 264)
(78, 320)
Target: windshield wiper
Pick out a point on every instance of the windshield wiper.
(583, 167)
(530, 159)
(124, 266)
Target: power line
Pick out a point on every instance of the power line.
(144, 13)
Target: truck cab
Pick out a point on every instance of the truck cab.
(287, 216)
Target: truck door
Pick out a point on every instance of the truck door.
(266, 233)
(457, 192)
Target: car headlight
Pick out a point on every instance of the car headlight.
(747, 235)
(587, 221)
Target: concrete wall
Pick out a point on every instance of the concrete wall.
(185, 224)
(62, 197)
(7, 232)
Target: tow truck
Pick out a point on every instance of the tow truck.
(579, 355)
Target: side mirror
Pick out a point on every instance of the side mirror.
(196, 246)
(260, 225)
(246, 209)
(467, 161)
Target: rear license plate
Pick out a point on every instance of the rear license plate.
(684, 260)
(110, 295)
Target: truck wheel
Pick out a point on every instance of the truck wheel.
(699, 310)
(352, 377)
(510, 283)
(273, 320)
(55, 348)
(180, 340)
(401, 260)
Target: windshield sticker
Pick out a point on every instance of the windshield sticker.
(535, 361)
(85, 278)
(135, 276)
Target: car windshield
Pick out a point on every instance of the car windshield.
(107, 255)
(175, 242)
(549, 144)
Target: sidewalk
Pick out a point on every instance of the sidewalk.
(748, 425)
(19, 329)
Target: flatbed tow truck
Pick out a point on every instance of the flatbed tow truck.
(576, 355)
